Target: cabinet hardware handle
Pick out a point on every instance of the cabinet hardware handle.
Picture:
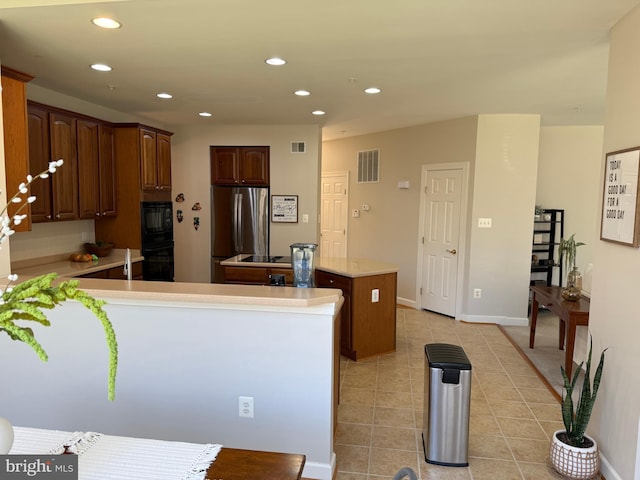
(452, 252)
(49, 217)
(97, 214)
(331, 281)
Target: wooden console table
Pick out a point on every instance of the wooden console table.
(235, 464)
(571, 315)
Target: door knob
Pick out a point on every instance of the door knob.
(452, 252)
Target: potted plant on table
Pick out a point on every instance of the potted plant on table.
(28, 300)
(567, 251)
(572, 452)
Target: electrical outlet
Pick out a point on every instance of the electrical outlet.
(477, 293)
(245, 405)
(375, 295)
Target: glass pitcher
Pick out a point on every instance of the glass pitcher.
(302, 261)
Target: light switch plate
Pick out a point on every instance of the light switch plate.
(484, 223)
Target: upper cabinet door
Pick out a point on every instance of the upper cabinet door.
(39, 157)
(240, 166)
(106, 139)
(88, 168)
(16, 139)
(225, 165)
(148, 161)
(254, 166)
(163, 146)
(62, 132)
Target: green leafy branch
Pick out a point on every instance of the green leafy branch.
(27, 300)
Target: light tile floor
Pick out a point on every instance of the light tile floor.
(513, 414)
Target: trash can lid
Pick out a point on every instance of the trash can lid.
(443, 355)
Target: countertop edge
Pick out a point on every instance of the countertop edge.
(348, 267)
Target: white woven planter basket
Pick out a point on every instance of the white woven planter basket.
(573, 462)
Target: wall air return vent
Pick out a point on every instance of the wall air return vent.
(369, 166)
(298, 147)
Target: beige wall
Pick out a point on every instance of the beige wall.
(389, 231)
(291, 174)
(615, 310)
(501, 151)
(569, 172)
(503, 190)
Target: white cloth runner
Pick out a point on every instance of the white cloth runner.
(107, 457)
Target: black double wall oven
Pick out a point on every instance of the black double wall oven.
(157, 241)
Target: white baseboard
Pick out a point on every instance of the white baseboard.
(607, 470)
(320, 471)
(406, 302)
(507, 321)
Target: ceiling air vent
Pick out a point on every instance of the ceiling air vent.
(298, 147)
(369, 166)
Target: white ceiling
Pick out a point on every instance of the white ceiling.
(433, 59)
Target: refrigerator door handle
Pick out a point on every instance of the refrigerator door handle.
(238, 222)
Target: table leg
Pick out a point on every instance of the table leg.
(571, 340)
(534, 320)
(561, 333)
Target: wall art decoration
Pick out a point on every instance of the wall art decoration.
(180, 198)
(196, 222)
(196, 206)
(620, 198)
(179, 216)
(284, 208)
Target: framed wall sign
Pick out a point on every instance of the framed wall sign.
(284, 208)
(620, 198)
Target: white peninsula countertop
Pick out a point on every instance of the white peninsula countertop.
(348, 267)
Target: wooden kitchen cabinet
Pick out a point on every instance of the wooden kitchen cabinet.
(16, 140)
(63, 137)
(155, 160)
(96, 180)
(53, 136)
(116, 273)
(367, 328)
(246, 166)
(107, 172)
(88, 140)
(142, 156)
(256, 275)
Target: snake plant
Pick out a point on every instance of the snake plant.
(575, 423)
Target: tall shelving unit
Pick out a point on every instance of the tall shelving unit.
(548, 230)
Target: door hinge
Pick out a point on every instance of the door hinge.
(420, 290)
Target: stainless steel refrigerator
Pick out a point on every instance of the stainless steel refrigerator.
(239, 224)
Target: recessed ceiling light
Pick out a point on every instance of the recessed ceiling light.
(105, 22)
(372, 90)
(276, 61)
(302, 93)
(164, 95)
(204, 114)
(318, 112)
(101, 67)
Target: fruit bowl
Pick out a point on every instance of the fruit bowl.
(100, 249)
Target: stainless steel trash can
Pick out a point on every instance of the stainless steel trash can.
(447, 398)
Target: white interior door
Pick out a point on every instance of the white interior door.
(442, 207)
(334, 215)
